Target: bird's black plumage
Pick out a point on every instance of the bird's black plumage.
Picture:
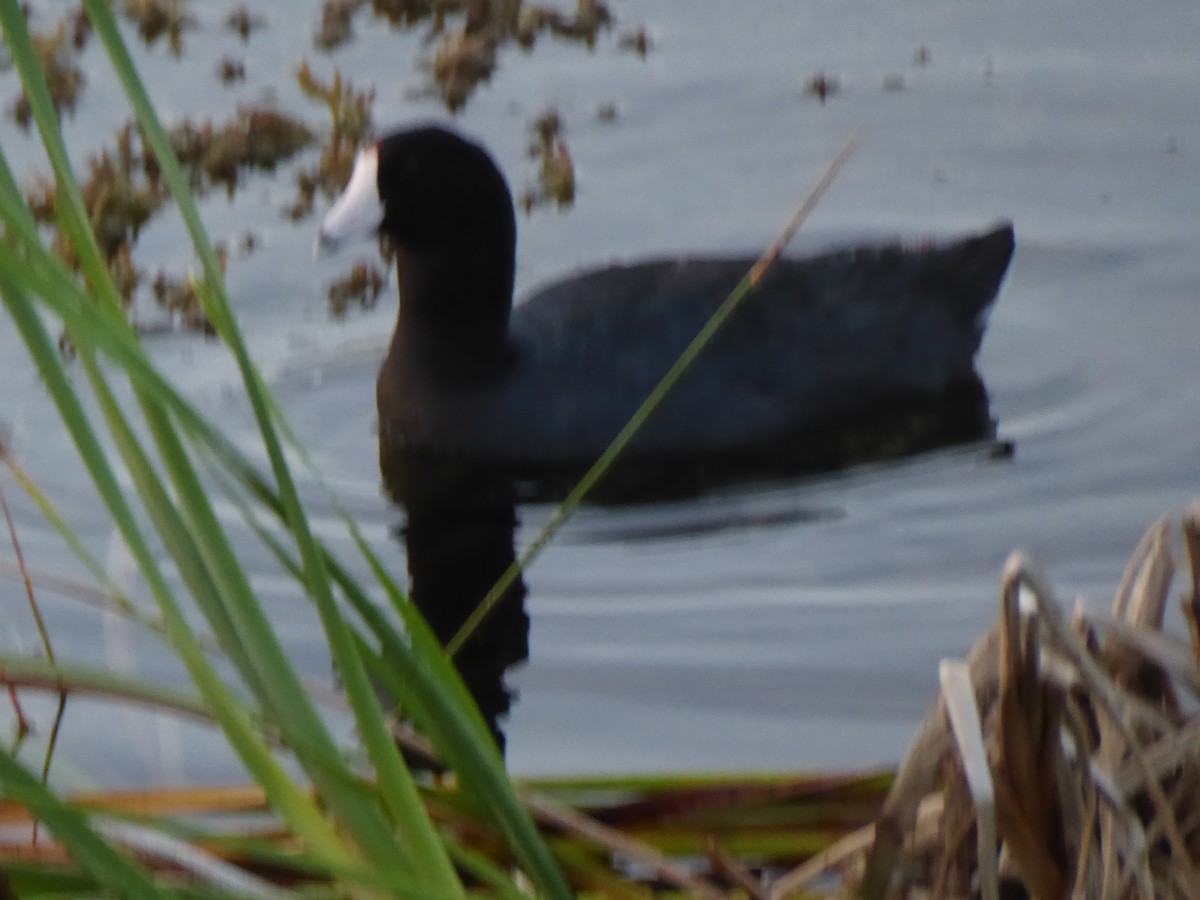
(826, 356)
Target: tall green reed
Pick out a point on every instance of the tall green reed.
(366, 826)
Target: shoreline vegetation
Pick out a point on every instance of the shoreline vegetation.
(1059, 759)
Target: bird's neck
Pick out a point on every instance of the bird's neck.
(454, 309)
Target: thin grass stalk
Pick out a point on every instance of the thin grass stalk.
(72, 213)
(484, 870)
(963, 714)
(74, 222)
(34, 609)
(47, 646)
(215, 566)
(155, 809)
(22, 879)
(303, 729)
(132, 357)
(433, 693)
(91, 851)
(27, 671)
(296, 808)
(108, 330)
(184, 542)
(655, 397)
(197, 572)
(588, 829)
(398, 790)
(1191, 540)
(21, 216)
(595, 876)
(115, 599)
(286, 699)
(217, 306)
(129, 356)
(433, 698)
(44, 276)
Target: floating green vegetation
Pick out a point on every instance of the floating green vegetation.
(822, 85)
(350, 122)
(257, 138)
(244, 22)
(361, 288)
(407, 13)
(122, 186)
(231, 70)
(179, 297)
(591, 17)
(124, 189)
(637, 41)
(556, 173)
(462, 62)
(336, 23)
(56, 49)
(466, 36)
(160, 18)
(466, 56)
(120, 194)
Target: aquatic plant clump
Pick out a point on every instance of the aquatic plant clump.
(124, 188)
(121, 186)
(1060, 759)
(56, 49)
(157, 19)
(556, 171)
(350, 122)
(468, 37)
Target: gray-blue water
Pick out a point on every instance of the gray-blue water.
(788, 626)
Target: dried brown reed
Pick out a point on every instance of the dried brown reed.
(1062, 758)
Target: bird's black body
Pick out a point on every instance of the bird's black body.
(832, 359)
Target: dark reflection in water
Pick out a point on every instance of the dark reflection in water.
(461, 518)
(458, 538)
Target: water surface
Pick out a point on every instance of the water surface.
(786, 626)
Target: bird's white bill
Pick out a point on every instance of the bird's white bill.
(359, 210)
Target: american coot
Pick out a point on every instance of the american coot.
(852, 355)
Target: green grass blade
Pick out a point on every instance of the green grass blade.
(389, 765)
(656, 396)
(37, 671)
(254, 646)
(288, 798)
(191, 537)
(73, 217)
(436, 698)
(419, 673)
(94, 854)
(118, 600)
